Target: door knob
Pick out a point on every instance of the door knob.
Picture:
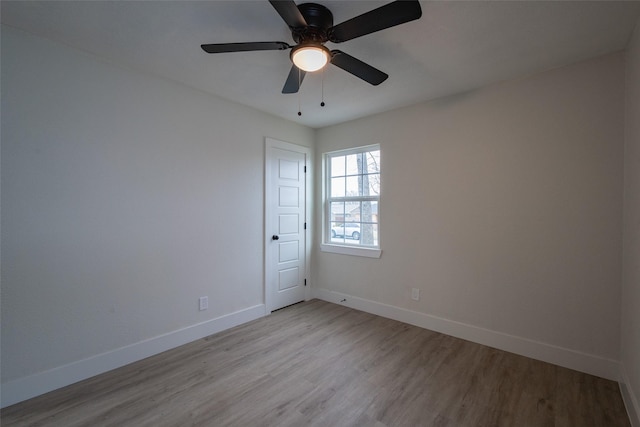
(275, 237)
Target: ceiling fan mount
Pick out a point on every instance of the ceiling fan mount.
(319, 20)
(311, 26)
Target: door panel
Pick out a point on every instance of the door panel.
(289, 279)
(289, 170)
(288, 224)
(289, 251)
(289, 197)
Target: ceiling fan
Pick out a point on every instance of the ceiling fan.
(312, 26)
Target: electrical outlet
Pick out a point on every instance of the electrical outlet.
(203, 302)
(415, 294)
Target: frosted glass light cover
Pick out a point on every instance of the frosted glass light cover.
(310, 58)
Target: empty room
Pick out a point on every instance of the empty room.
(333, 213)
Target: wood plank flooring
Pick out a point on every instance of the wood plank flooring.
(322, 364)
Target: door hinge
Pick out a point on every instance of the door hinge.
(305, 225)
(305, 282)
(305, 169)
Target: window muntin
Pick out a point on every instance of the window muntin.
(353, 197)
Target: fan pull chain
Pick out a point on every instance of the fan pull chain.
(322, 102)
(299, 112)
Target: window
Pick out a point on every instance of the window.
(352, 201)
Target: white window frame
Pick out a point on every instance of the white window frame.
(345, 249)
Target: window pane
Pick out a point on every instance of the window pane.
(346, 232)
(337, 212)
(337, 166)
(352, 211)
(354, 184)
(368, 213)
(337, 231)
(352, 164)
(369, 236)
(337, 187)
(374, 211)
(373, 181)
(373, 161)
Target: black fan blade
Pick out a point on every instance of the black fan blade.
(289, 12)
(243, 47)
(296, 75)
(358, 68)
(389, 15)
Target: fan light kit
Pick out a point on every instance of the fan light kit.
(310, 58)
(311, 26)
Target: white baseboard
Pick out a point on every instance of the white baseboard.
(34, 385)
(583, 362)
(631, 401)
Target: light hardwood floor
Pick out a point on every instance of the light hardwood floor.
(323, 364)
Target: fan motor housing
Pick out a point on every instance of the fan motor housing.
(319, 20)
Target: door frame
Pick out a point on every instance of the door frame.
(268, 219)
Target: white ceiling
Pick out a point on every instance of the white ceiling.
(456, 46)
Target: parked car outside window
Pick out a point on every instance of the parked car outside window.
(348, 229)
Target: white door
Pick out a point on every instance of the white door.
(285, 224)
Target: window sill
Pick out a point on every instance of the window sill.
(351, 250)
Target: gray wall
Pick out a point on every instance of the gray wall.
(125, 197)
(631, 266)
(504, 207)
